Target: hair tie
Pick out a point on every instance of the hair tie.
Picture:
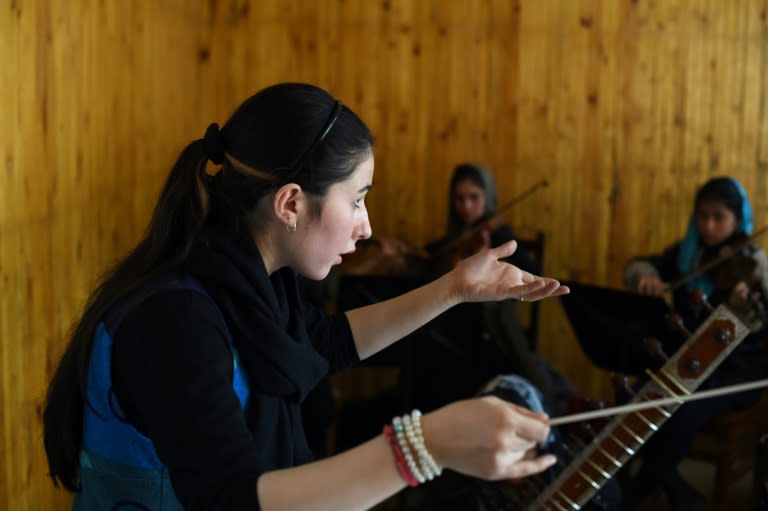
(213, 144)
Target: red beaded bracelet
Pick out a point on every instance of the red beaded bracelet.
(402, 465)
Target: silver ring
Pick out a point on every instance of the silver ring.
(522, 298)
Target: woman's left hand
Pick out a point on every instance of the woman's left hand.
(483, 277)
(739, 297)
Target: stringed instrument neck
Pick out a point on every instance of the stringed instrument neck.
(622, 437)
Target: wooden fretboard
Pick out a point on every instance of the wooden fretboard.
(621, 438)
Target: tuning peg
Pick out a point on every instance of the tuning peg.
(724, 336)
(653, 349)
(694, 366)
(676, 324)
(699, 298)
(622, 390)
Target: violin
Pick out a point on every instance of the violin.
(478, 235)
(383, 256)
(735, 264)
(741, 249)
(474, 239)
(391, 256)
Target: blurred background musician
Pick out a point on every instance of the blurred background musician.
(490, 335)
(473, 222)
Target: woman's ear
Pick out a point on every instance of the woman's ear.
(288, 203)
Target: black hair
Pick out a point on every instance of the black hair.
(724, 191)
(481, 177)
(288, 132)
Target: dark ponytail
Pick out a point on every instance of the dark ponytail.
(178, 216)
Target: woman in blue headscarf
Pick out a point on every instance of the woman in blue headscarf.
(721, 215)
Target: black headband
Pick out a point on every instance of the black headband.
(318, 140)
(213, 144)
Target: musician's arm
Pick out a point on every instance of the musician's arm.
(482, 277)
(762, 270)
(662, 266)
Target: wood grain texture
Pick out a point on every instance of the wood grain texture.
(625, 106)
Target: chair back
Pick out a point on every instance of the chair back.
(529, 312)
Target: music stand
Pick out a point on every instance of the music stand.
(610, 324)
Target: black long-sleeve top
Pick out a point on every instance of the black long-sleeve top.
(173, 369)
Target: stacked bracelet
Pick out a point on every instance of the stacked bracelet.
(397, 425)
(425, 459)
(414, 461)
(402, 464)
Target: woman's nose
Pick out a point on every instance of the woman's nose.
(364, 230)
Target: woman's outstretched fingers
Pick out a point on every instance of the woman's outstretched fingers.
(551, 287)
(541, 287)
(525, 292)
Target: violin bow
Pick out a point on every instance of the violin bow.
(721, 258)
(653, 403)
(524, 194)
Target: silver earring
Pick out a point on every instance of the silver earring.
(291, 228)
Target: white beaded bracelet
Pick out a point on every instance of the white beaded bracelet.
(397, 425)
(417, 445)
(425, 457)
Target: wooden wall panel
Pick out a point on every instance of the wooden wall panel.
(625, 106)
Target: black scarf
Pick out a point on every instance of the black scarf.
(266, 319)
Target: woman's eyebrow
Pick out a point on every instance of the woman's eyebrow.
(364, 189)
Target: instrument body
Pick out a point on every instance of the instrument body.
(620, 439)
(739, 263)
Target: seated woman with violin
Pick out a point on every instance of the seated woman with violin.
(491, 352)
(473, 224)
(719, 260)
(473, 221)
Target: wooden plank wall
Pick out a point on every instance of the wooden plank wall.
(625, 106)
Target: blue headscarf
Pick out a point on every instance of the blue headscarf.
(691, 244)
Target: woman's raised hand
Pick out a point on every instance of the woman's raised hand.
(483, 277)
(487, 438)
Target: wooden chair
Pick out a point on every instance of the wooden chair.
(730, 443)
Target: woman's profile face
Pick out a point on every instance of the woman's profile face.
(716, 223)
(468, 201)
(342, 222)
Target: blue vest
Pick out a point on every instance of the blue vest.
(119, 467)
